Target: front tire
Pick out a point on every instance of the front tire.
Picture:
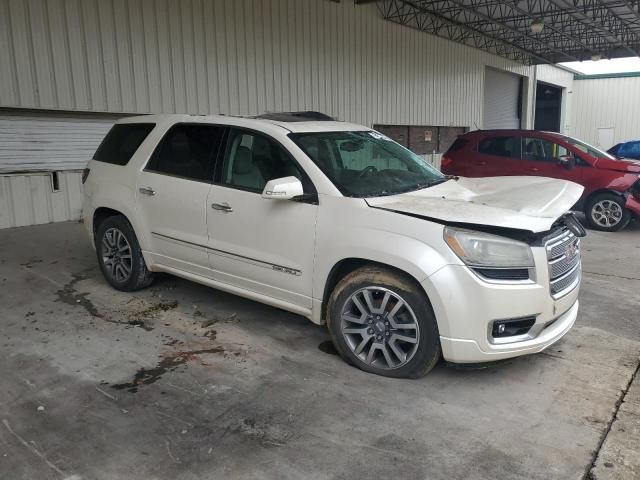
(381, 322)
(607, 212)
(119, 255)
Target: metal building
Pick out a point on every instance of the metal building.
(607, 113)
(71, 67)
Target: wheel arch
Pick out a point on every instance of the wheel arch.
(600, 191)
(100, 214)
(345, 266)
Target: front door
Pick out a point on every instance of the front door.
(540, 159)
(262, 245)
(172, 196)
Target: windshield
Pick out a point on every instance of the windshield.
(592, 151)
(366, 163)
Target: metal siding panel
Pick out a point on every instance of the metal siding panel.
(40, 189)
(201, 59)
(123, 56)
(176, 47)
(23, 53)
(138, 52)
(8, 81)
(109, 45)
(21, 201)
(87, 57)
(59, 50)
(168, 90)
(151, 56)
(44, 75)
(188, 56)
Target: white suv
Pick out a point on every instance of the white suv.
(338, 223)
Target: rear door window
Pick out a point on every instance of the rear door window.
(508, 147)
(121, 142)
(188, 151)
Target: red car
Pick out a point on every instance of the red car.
(611, 186)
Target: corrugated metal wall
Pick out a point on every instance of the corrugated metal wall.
(606, 103)
(236, 57)
(28, 199)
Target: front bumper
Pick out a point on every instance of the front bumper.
(465, 307)
(469, 351)
(633, 204)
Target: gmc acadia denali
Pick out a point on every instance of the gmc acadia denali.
(338, 223)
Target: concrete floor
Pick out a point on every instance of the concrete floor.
(184, 382)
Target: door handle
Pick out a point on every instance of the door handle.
(147, 191)
(480, 164)
(533, 169)
(222, 207)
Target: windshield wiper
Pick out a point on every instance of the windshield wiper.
(420, 186)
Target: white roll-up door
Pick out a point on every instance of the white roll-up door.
(49, 141)
(501, 100)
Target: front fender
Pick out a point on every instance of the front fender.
(410, 244)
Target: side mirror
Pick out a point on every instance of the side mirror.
(566, 161)
(284, 188)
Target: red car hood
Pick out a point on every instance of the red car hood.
(621, 165)
(525, 203)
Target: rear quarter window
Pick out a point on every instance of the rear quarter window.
(121, 142)
(457, 145)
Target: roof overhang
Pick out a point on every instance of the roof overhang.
(567, 30)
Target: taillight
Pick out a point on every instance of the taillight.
(85, 174)
(446, 162)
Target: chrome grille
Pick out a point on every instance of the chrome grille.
(563, 255)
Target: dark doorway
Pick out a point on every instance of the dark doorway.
(548, 107)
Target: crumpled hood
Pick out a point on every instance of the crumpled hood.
(524, 203)
(620, 165)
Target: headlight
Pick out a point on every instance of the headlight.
(479, 249)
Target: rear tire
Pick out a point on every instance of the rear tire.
(119, 255)
(606, 212)
(382, 322)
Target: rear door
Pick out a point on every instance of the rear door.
(497, 156)
(172, 196)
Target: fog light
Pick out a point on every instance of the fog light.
(512, 327)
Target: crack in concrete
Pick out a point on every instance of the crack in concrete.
(611, 275)
(588, 474)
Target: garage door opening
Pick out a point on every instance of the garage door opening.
(548, 107)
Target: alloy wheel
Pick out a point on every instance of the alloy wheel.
(116, 255)
(606, 213)
(380, 328)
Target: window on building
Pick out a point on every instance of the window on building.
(251, 160)
(188, 151)
(500, 146)
(121, 142)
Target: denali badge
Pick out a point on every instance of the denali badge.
(290, 271)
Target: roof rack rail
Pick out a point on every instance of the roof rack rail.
(306, 116)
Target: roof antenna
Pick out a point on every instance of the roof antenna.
(476, 125)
